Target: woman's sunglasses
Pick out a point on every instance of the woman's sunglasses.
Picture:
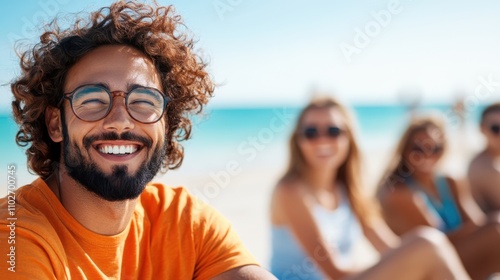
(495, 129)
(438, 149)
(312, 132)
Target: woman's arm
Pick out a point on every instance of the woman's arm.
(405, 210)
(469, 209)
(295, 207)
(380, 235)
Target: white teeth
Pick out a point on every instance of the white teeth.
(118, 150)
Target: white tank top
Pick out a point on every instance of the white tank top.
(340, 227)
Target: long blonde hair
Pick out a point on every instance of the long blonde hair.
(349, 172)
(399, 168)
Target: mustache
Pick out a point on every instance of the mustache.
(88, 140)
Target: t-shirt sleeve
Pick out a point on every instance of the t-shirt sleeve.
(218, 247)
(27, 256)
(29, 245)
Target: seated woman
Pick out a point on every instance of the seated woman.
(318, 212)
(413, 194)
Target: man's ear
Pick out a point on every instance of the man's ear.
(53, 123)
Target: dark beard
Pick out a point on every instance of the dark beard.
(119, 185)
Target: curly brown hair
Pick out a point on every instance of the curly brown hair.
(155, 30)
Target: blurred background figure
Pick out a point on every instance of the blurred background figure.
(484, 169)
(411, 99)
(413, 193)
(319, 211)
(458, 115)
(458, 108)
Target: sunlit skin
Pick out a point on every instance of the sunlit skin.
(119, 68)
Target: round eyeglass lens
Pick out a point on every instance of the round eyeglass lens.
(90, 103)
(145, 104)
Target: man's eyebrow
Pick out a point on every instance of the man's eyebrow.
(129, 87)
(104, 85)
(134, 85)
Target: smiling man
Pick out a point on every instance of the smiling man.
(102, 107)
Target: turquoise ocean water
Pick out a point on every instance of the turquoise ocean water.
(245, 133)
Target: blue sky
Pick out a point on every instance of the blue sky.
(275, 52)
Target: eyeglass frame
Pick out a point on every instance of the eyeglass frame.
(435, 150)
(112, 94)
(318, 134)
(494, 128)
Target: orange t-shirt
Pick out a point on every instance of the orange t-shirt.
(171, 235)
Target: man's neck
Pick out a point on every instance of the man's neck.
(94, 213)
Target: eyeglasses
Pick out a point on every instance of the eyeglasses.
(428, 151)
(312, 132)
(495, 129)
(93, 102)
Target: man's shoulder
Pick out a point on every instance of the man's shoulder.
(31, 211)
(24, 202)
(482, 172)
(480, 162)
(30, 233)
(159, 199)
(481, 157)
(161, 194)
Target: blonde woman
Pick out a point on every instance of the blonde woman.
(414, 194)
(318, 212)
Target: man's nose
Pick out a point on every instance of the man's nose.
(118, 119)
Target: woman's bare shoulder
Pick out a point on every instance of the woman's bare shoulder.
(290, 188)
(399, 194)
(290, 199)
